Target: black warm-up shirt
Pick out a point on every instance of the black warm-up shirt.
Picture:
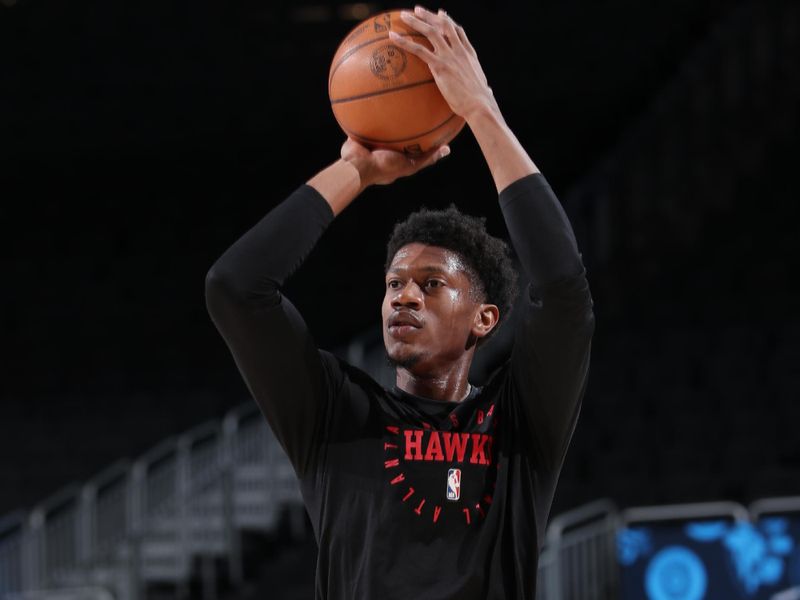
(411, 497)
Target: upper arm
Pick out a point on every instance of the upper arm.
(550, 362)
(279, 362)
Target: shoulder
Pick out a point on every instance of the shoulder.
(350, 376)
(572, 291)
(498, 386)
(356, 397)
(557, 311)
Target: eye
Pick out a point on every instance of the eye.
(393, 284)
(434, 283)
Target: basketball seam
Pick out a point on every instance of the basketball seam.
(413, 137)
(380, 92)
(347, 54)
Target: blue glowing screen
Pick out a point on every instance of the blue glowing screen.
(710, 560)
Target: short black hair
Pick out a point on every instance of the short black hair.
(487, 257)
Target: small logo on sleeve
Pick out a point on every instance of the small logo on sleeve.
(454, 484)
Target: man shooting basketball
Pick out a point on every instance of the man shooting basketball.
(433, 489)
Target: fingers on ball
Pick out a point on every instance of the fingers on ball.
(412, 46)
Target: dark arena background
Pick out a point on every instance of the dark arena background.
(138, 140)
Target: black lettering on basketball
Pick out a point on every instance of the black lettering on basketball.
(357, 32)
(381, 27)
(388, 62)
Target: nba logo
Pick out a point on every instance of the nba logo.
(453, 484)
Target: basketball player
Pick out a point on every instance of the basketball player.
(435, 488)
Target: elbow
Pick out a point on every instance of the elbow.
(591, 323)
(225, 291)
(219, 290)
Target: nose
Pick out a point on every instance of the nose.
(409, 296)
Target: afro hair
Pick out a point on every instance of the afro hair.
(488, 258)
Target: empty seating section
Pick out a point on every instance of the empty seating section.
(145, 523)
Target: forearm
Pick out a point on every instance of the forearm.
(507, 159)
(278, 244)
(539, 228)
(258, 263)
(338, 184)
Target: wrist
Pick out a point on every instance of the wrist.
(339, 184)
(483, 111)
(362, 170)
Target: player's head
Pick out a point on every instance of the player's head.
(450, 281)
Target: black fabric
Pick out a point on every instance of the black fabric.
(376, 465)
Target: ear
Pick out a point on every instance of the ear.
(486, 318)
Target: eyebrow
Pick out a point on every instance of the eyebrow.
(427, 268)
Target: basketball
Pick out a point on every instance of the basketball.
(385, 97)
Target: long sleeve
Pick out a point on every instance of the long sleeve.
(268, 338)
(550, 357)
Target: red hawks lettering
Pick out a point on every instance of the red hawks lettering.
(448, 446)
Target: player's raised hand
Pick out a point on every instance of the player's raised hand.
(381, 167)
(453, 61)
(359, 167)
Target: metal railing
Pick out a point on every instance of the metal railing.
(578, 561)
(136, 524)
(789, 505)
(772, 509)
(107, 500)
(676, 512)
(85, 593)
(581, 559)
(12, 529)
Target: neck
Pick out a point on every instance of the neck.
(448, 386)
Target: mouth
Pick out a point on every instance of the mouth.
(403, 324)
(400, 331)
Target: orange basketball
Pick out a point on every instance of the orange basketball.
(385, 97)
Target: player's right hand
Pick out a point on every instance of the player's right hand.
(381, 167)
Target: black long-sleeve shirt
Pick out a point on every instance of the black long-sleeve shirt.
(411, 497)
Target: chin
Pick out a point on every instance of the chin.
(404, 360)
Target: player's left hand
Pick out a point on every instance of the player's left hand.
(453, 61)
